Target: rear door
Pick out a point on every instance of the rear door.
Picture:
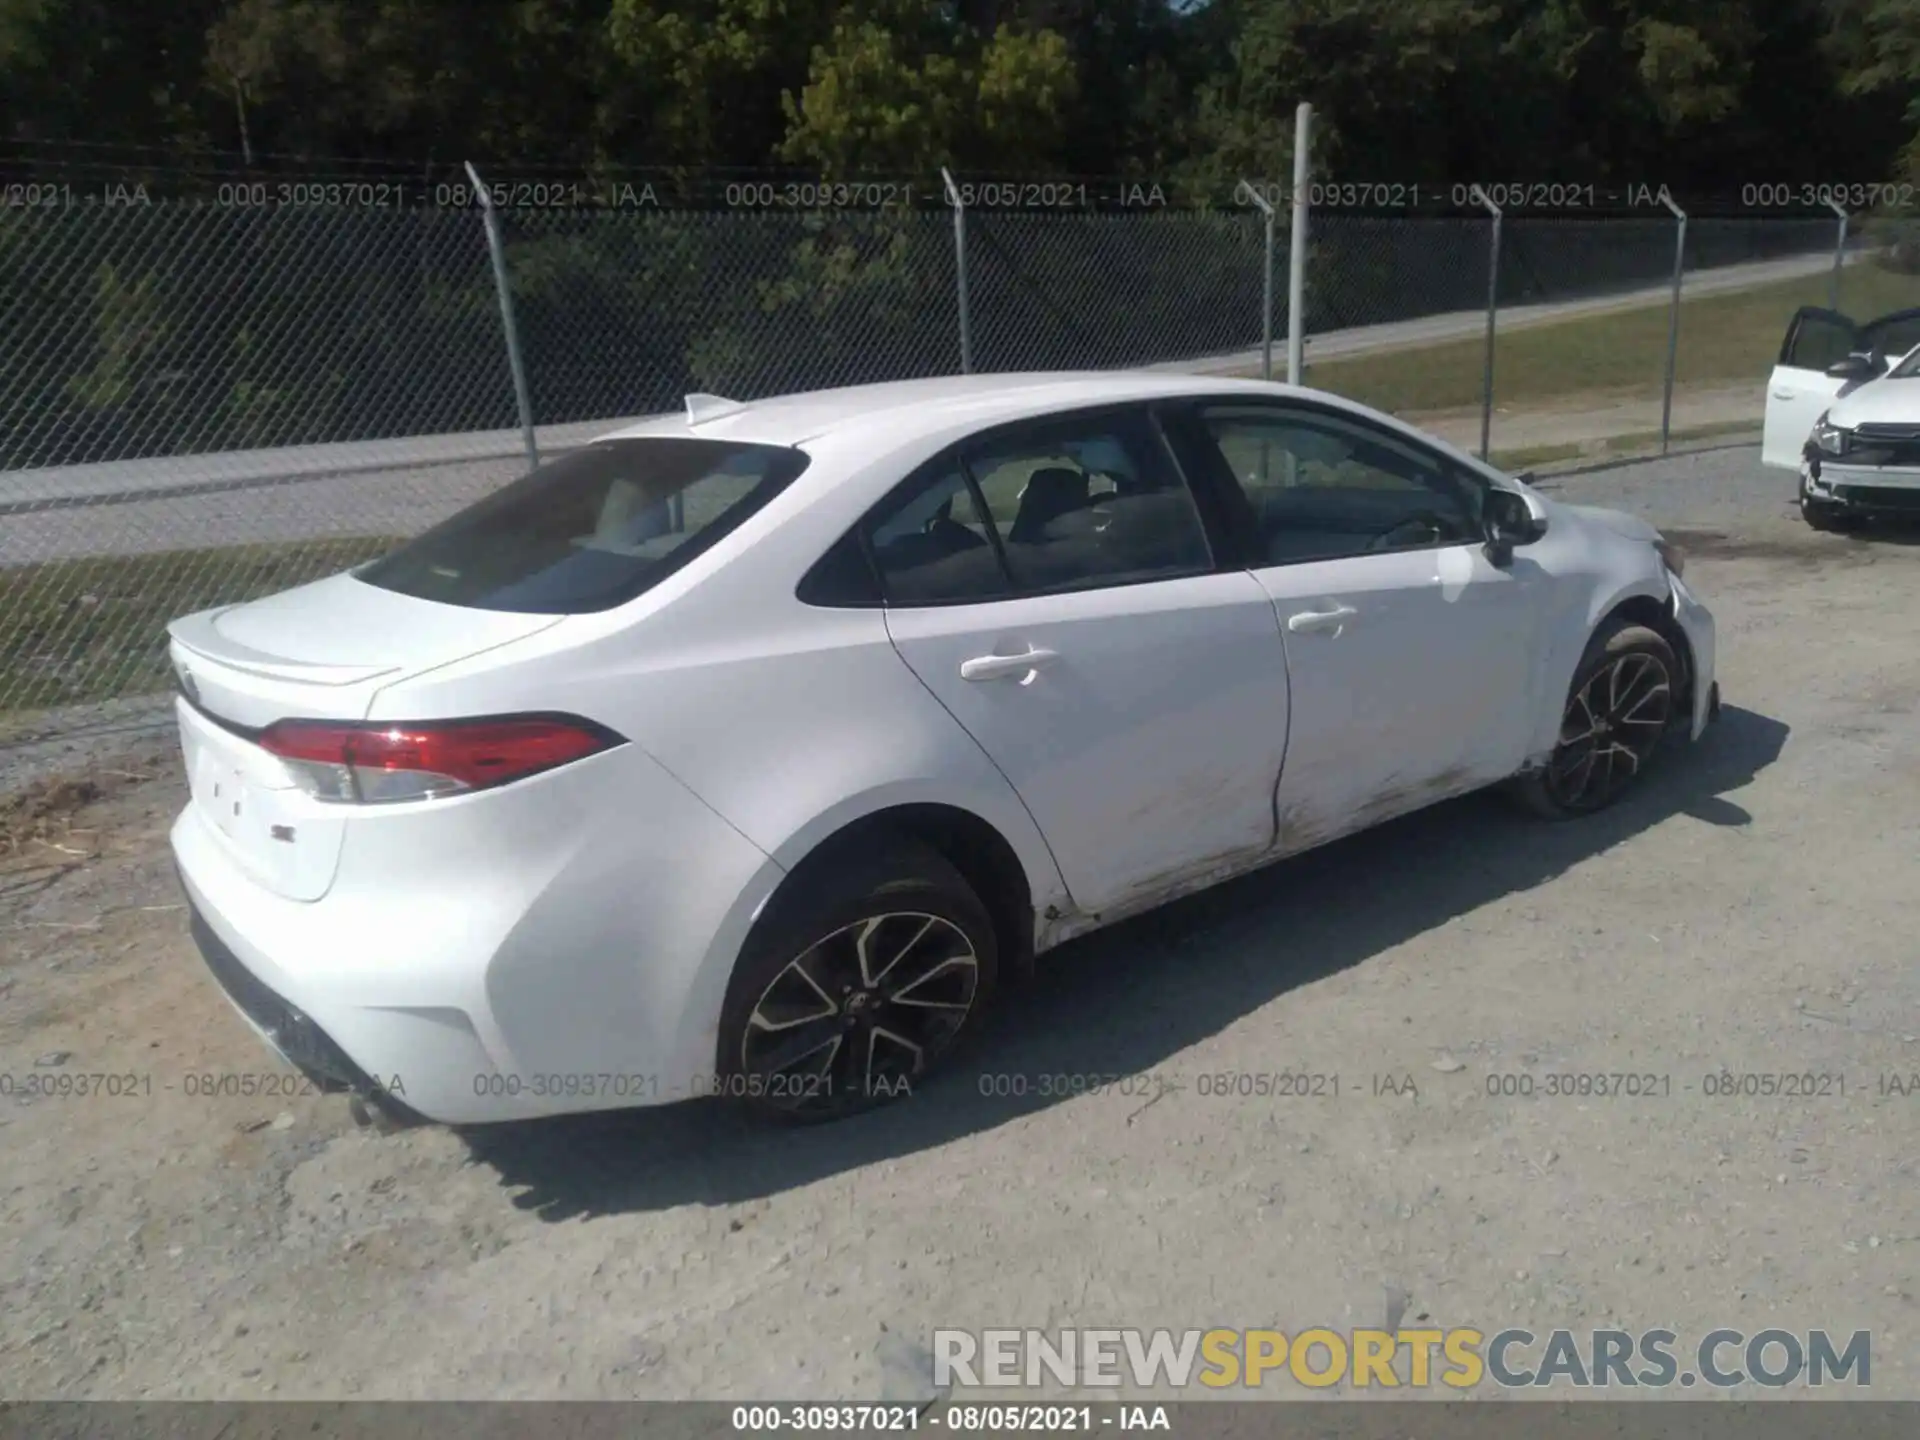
(1800, 390)
(1053, 586)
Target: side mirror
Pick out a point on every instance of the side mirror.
(1510, 523)
(1854, 367)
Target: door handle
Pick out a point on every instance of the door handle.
(1783, 395)
(1333, 619)
(1000, 667)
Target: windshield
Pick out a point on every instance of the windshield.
(591, 530)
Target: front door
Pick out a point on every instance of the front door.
(1409, 652)
(1800, 389)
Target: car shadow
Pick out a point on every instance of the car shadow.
(1130, 999)
(1891, 530)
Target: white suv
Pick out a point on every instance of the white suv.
(1843, 411)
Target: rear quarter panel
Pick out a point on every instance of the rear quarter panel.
(789, 721)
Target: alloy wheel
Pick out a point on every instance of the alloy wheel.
(1612, 726)
(860, 1014)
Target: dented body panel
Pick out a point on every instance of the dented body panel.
(1410, 698)
(1151, 740)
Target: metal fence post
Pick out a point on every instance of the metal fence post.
(960, 269)
(1297, 254)
(1839, 254)
(1673, 320)
(496, 248)
(1251, 192)
(1493, 306)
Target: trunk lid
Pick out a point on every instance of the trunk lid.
(318, 652)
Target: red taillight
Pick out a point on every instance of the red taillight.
(369, 763)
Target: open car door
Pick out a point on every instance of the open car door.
(1802, 385)
(1800, 389)
(1890, 338)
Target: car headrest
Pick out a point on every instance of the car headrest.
(1051, 491)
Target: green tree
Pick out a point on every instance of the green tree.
(1876, 43)
(909, 87)
(1380, 72)
(409, 79)
(701, 81)
(104, 72)
(1686, 92)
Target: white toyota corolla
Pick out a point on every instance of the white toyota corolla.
(742, 752)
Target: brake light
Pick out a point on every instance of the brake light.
(368, 764)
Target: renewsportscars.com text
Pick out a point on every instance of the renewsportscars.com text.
(1459, 1358)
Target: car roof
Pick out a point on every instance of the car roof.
(882, 419)
(937, 403)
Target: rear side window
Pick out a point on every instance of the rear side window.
(935, 546)
(1088, 502)
(591, 530)
(1818, 338)
(1079, 503)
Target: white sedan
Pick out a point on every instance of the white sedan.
(1843, 412)
(743, 752)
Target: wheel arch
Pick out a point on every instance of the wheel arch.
(1657, 615)
(985, 858)
(1645, 602)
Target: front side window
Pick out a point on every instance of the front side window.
(1817, 339)
(591, 530)
(1321, 487)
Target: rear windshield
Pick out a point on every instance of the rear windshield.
(592, 530)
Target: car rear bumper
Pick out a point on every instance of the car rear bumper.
(294, 1036)
(502, 957)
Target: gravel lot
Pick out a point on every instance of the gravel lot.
(1753, 910)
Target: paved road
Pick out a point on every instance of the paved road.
(1465, 324)
(397, 487)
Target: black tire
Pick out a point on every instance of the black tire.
(872, 1045)
(1823, 518)
(1623, 700)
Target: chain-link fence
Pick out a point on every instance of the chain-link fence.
(203, 402)
(189, 328)
(1098, 291)
(1555, 338)
(624, 314)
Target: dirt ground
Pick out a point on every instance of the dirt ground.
(1753, 910)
